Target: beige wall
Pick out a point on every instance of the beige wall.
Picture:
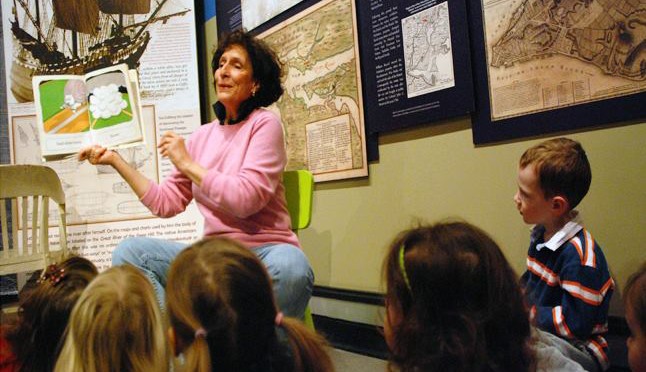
(435, 172)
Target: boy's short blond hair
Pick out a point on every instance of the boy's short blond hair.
(562, 168)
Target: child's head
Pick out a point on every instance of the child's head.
(556, 170)
(222, 311)
(453, 301)
(44, 312)
(635, 304)
(116, 325)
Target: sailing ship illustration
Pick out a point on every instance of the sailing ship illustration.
(55, 37)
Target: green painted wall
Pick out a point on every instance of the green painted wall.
(435, 172)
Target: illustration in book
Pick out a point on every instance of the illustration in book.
(74, 111)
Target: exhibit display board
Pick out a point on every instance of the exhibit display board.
(548, 66)
(157, 39)
(416, 62)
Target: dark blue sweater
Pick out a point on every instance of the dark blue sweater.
(569, 290)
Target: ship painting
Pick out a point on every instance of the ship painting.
(56, 37)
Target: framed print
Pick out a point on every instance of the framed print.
(550, 66)
(322, 106)
(415, 62)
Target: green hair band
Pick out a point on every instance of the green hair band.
(402, 267)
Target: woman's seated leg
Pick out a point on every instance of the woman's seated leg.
(151, 256)
(291, 276)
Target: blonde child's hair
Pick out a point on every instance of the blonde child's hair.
(116, 326)
(562, 167)
(224, 317)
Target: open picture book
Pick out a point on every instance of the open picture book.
(75, 111)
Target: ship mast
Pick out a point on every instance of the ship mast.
(38, 18)
(34, 21)
(151, 17)
(75, 44)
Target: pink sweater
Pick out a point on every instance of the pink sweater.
(242, 196)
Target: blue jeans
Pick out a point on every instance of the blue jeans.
(289, 269)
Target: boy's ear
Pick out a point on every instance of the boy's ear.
(560, 204)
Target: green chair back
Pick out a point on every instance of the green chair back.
(299, 192)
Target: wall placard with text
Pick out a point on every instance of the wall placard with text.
(157, 41)
(415, 61)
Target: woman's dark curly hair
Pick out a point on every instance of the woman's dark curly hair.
(267, 72)
(464, 309)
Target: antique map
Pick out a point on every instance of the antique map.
(549, 54)
(321, 109)
(428, 57)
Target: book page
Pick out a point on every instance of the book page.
(62, 113)
(113, 107)
(101, 107)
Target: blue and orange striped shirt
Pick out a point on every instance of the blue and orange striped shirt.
(568, 286)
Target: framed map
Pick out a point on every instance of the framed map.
(544, 66)
(321, 109)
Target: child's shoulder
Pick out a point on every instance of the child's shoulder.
(584, 250)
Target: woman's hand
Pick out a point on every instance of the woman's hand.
(171, 146)
(96, 155)
(100, 155)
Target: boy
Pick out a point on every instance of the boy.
(567, 281)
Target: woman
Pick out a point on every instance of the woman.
(233, 169)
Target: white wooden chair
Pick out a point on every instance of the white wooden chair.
(25, 191)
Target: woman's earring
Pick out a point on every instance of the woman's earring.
(253, 92)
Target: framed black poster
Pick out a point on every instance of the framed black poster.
(415, 62)
(547, 66)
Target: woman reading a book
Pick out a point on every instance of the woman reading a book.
(233, 169)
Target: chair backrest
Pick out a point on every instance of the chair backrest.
(25, 191)
(299, 191)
